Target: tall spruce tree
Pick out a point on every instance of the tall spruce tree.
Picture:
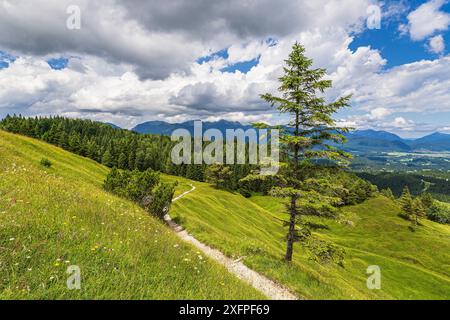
(418, 211)
(406, 202)
(312, 133)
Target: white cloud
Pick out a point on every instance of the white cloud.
(158, 38)
(427, 19)
(437, 44)
(135, 61)
(133, 65)
(403, 124)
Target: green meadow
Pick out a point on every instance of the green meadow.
(414, 265)
(52, 218)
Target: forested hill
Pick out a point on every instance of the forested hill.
(110, 146)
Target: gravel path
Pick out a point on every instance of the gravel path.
(268, 287)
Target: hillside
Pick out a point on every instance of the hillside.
(375, 141)
(415, 265)
(52, 218)
(56, 217)
(434, 142)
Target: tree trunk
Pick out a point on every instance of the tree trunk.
(296, 147)
(291, 233)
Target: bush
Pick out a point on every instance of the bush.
(440, 213)
(143, 188)
(133, 185)
(46, 163)
(245, 192)
(256, 182)
(161, 199)
(220, 176)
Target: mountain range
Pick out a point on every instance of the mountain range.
(364, 141)
(382, 141)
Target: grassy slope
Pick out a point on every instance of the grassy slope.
(414, 265)
(52, 218)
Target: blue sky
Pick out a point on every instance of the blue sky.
(396, 48)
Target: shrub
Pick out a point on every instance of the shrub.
(133, 185)
(256, 182)
(161, 199)
(219, 175)
(46, 163)
(245, 192)
(143, 188)
(440, 213)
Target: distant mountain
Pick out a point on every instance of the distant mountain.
(375, 141)
(363, 141)
(380, 135)
(433, 142)
(165, 128)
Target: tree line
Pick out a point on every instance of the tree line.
(114, 148)
(420, 207)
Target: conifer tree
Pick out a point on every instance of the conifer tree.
(427, 200)
(107, 159)
(406, 202)
(388, 193)
(312, 133)
(122, 161)
(418, 211)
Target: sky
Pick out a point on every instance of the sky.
(131, 61)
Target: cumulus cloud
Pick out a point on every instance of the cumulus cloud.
(135, 60)
(437, 44)
(427, 19)
(158, 37)
(421, 87)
